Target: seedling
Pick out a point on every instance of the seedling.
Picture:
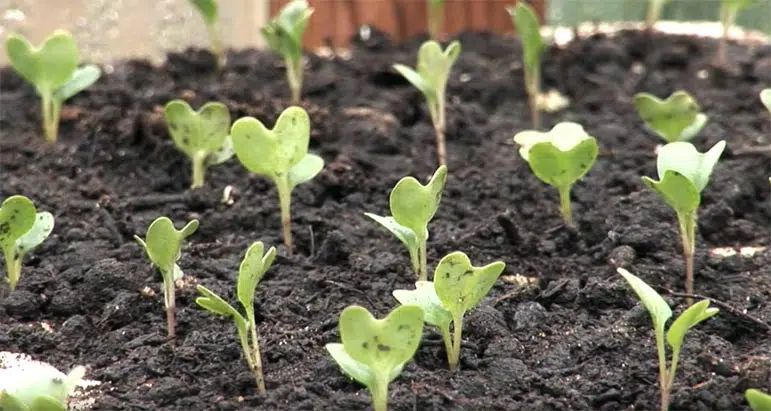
(435, 18)
(678, 118)
(457, 288)
(280, 154)
(654, 12)
(209, 10)
(22, 228)
(559, 158)
(729, 9)
(284, 35)
(413, 205)
(374, 351)
(765, 98)
(683, 174)
(759, 401)
(430, 78)
(163, 245)
(202, 135)
(533, 46)
(660, 313)
(43, 390)
(53, 69)
(252, 269)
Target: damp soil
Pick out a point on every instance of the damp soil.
(560, 329)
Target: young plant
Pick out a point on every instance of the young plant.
(163, 245)
(529, 30)
(22, 228)
(729, 9)
(374, 351)
(252, 269)
(678, 118)
(284, 35)
(759, 401)
(660, 313)
(209, 10)
(457, 288)
(41, 390)
(435, 14)
(280, 154)
(53, 69)
(683, 174)
(654, 12)
(559, 158)
(430, 78)
(413, 205)
(202, 135)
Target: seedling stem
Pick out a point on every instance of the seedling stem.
(171, 306)
(13, 264)
(687, 223)
(380, 393)
(51, 111)
(567, 214)
(437, 114)
(533, 80)
(435, 18)
(294, 72)
(454, 355)
(285, 201)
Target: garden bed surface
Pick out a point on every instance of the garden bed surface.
(574, 337)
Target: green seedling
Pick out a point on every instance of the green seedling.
(430, 78)
(41, 390)
(457, 288)
(209, 10)
(729, 9)
(654, 12)
(163, 245)
(678, 118)
(202, 135)
(660, 313)
(435, 14)
(413, 205)
(22, 228)
(529, 30)
(559, 158)
(374, 351)
(53, 69)
(765, 98)
(683, 175)
(280, 154)
(284, 35)
(252, 269)
(759, 401)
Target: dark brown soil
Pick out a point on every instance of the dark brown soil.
(577, 339)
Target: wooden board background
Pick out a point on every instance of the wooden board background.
(335, 21)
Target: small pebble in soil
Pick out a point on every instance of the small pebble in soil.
(622, 256)
(529, 316)
(22, 304)
(75, 325)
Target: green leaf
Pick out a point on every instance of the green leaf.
(272, 153)
(736, 6)
(404, 234)
(48, 66)
(688, 319)
(413, 205)
(252, 269)
(82, 79)
(653, 302)
(215, 304)
(765, 98)
(47, 404)
(675, 119)
(17, 217)
(381, 344)
(222, 155)
(424, 296)
(285, 32)
(44, 224)
(163, 242)
(683, 158)
(759, 401)
(355, 369)
(416, 80)
(9, 402)
(529, 30)
(42, 389)
(197, 133)
(304, 171)
(208, 10)
(432, 69)
(460, 286)
(677, 191)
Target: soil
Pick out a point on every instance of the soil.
(571, 337)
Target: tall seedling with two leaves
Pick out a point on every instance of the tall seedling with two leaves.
(430, 78)
(53, 69)
(678, 118)
(22, 228)
(280, 154)
(529, 30)
(202, 135)
(252, 269)
(284, 35)
(163, 245)
(209, 11)
(729, 10)
(457, 288)
(661, 313)
(413, 205)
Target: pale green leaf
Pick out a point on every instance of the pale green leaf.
(674, 119)
(529, 30)
(677, 191)
(424, 296)
(310, 166)
(208, 10)
(460, 286)
(688, 319)
(560, 168)
(197, 133)
(683, 158)
(9, 402)
(222, 155)
(82, 79)
(352, 368)
(163, 243)
(404, 234)
(759, 401)
(253, 267)
(413, 205)
(657, 308)
(17, 217)
(214, 303)
(44, 224)
(48, 66)
(416, 80)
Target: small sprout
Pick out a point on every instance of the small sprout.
(457, 288)
(529, 30)
(209, 10)
(430, 78)
(559, 158)
(164, 248)
(654, 12)
(202, 135)
(435, 14)
(758, 400)
(252, 269)
(683, 174)
(284, 35)
(678, 118)
(280, 154)
(765, 98)
(22, 228)
(53, 69)
(413, 205)
(660, 313)
(42, 390)
(374, 351)
(729, 9)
